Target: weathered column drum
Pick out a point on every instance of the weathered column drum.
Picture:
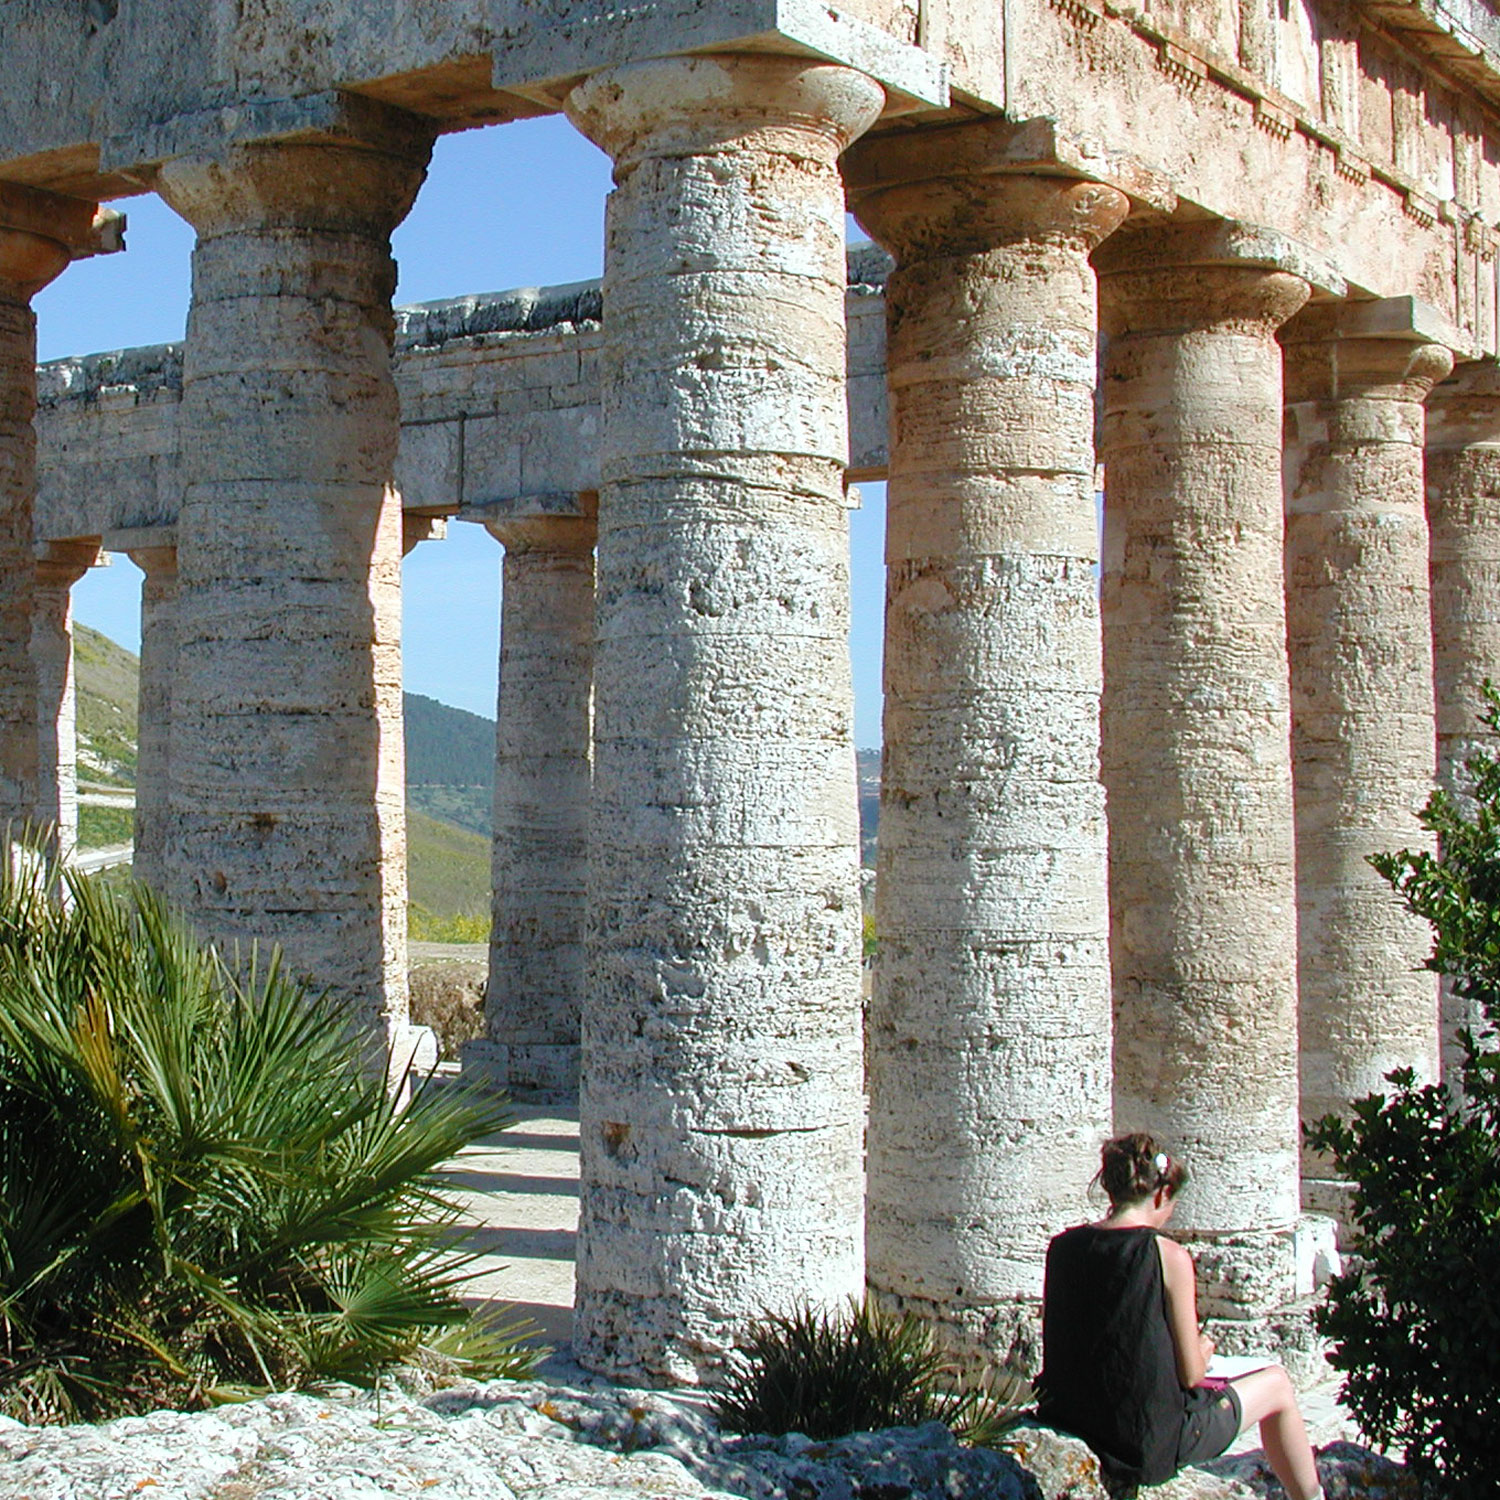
(989, 1026)
(1196, 741)
(721, 1112)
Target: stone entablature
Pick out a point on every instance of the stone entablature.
(499, 400)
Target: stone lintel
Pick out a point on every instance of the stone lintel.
(546, 63)
(1404, 319)
(991, 146)
(1219, 242)
(331, 117)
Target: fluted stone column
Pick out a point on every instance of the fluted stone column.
(1196, 741)
(543, 720)
(721, 1113)
(1360, 649)
(287, 804)
(989, 1057)
(34, 248)
(1463, 519)
(154, 710)
(58, 568)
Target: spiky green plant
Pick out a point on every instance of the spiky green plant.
(858, 1368)
(204, 1189)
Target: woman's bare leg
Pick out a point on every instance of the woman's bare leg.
(1266, 1396)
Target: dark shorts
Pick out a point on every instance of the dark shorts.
(1210, 1423)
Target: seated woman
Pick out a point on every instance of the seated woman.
(1123, 1360)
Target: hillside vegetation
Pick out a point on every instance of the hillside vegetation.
(106, 676)
(450, 763)
(448, 824)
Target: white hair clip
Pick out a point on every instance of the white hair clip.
(1162, 1162)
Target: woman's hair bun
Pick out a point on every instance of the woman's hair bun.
(1133, 1166)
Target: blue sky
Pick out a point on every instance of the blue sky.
(514, 205)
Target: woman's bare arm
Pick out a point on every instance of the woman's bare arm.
(1193, 1350)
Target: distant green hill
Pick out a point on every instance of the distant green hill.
(450, 754)
(450, 763)
(106, 676)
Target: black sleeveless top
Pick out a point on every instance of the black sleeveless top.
(1109, 1365)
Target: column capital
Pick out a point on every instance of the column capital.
(1177, 278)
(968, 187)
(691, 105)
(62, 564)
(41, 232)
(1392, 348)
(335, 168)
(565, 521)
(1464, 410)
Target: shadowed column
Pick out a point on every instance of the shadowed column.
(39, 234)
(58, 568)
(1196, 740)
(989, 1028)
(287, 801)
(1463, 519)
(1360, 650)
(543, 720)
(158, 564)
(721, 1116)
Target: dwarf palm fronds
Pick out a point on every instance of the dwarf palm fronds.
(202, 1183)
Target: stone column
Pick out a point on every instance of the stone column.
(721, 1113)
(1360, 649)
(1196, 740)
(287, 804)
(37, 233)
(1463, 520)
(543, 722)
(988, 1038)
(154, 707)
(58, 567)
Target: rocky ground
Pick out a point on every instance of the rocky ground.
(571, 1436)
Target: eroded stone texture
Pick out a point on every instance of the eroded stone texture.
(1463, 519)
(1360, 651)
(58, 568)
(28, 261)
(1195, 742)
(989, 1027)
(154, 713)
(720, 1109)
(286, 765)
(538, 965)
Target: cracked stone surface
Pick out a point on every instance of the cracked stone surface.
(1196, 744)
(1360, 648)
(721, 1041)
(989, 1027)
(286, 776)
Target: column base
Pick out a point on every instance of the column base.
(529, 1073)
(411, 1057)
(1256, 1292)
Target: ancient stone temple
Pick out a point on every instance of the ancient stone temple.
(1231, 261)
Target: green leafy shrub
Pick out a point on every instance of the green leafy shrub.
(204, 1189)
(857, 1369)
(1415, 1319)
